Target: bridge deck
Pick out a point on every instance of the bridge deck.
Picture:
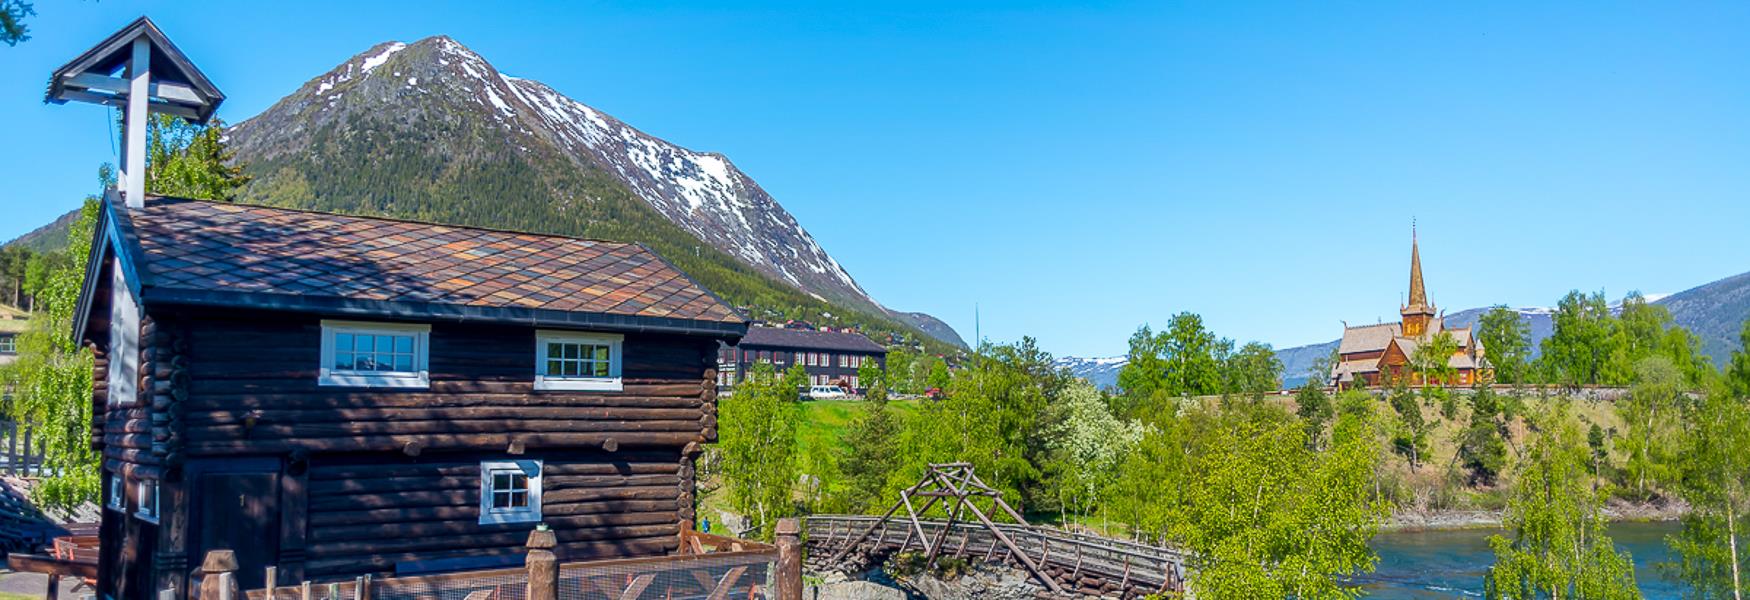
(1086, 563)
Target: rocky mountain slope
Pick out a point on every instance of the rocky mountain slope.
(431, 130)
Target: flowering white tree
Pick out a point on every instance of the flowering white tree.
(1086, 442)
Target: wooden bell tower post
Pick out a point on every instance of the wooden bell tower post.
(138, 70)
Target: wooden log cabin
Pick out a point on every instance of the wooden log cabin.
(338, 395)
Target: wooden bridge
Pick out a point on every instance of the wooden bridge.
(1078, 563)
(1062, 563)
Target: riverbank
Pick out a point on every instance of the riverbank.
(1617, 511)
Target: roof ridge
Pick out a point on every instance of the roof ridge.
(310, 211)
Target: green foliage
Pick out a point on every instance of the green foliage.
(910, 372)
(14, 266)
(1738, 372)
(1263, 515)
(187, 160)
(870, 457)
(1576, 352)
(1188, 360)
(1410, 437)
(1085, 442)
(1482, 451)
(1714, 477)
(1650, 414)
(1315, 410)
(1254, 370)
(12, 15)
(1558, 548)
(1592, 346)
(758, 442)
(1506, 341)
(993, 416)
(1432, 359)
(51, 378)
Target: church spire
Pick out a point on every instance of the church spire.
(1418, 295)
(1417, 312)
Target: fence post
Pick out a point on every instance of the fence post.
(789, 534)
(219, 575)
(542, 565)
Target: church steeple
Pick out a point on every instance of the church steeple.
(1418, 295)
(1417, 311)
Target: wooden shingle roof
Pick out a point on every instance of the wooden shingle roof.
(806, 339)
(211, 253)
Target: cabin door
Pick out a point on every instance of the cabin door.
(241, 512)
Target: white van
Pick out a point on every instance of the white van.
(826, 392)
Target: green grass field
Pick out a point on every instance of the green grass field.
(824, 423)
(821, 432)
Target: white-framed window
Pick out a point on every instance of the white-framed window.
(510, 491)
(569, 360)
(8, 344)
(124, 340)
(147, 492)
(118, 493)
(375, 354)
(842, 360)
(854, 384)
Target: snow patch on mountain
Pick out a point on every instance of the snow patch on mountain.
(382, 57)
(1100, 371)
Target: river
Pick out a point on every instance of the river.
(1450, 564)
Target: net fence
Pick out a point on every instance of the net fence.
(726, 575)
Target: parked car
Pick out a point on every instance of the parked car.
(826, 392)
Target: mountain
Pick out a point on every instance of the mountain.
(1102, 372)
(432, 131)
(48, 238)
(1715, 312)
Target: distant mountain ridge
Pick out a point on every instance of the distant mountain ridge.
(1715, 312)
(432, 131)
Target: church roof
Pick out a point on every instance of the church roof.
(1368, 338)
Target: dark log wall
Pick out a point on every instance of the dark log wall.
(393, 474)
(254, 390)
(368, 514)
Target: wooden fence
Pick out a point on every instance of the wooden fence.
(23, 455)
(1084, 563)
(707, 567)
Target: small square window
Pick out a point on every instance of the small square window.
(510, 491)
(374, 354)
(8, 344)
(118, 493)
(577, 361)
(148, 498)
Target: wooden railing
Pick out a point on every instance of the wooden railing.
(1093, 564)
(707, 567)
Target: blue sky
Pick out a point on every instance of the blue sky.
(1078, 169)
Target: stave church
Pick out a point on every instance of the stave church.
(1381, 354)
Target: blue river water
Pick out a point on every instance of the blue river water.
(1451, 564)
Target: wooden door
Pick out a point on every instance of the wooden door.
(240, 512)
